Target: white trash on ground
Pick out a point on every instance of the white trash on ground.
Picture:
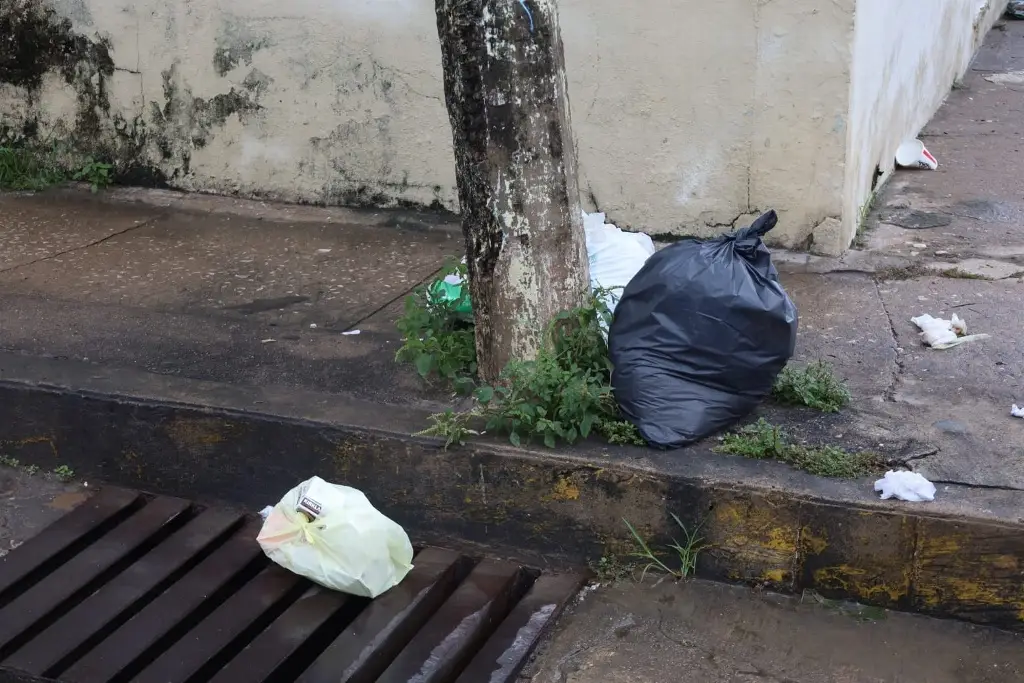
(333, 536)
(909, 486)
(940, 333)
(615, 255)
(913, 154)
(1016, 412)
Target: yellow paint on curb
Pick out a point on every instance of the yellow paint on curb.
(565, 490)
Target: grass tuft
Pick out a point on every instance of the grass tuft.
(814, 385)
(686, 552)
(765, 441)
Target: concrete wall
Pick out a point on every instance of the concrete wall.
(689, 116)
(906, 57)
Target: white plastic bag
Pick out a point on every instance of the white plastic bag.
(615, 256)
(910, 486)
(333, 536)
(940, 333)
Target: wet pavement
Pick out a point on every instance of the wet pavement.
(942, 242)
(217, 289)
(28, 503)
(701, 632)
(257, 294)
(966, 219)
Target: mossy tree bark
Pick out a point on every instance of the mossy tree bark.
(505, 89)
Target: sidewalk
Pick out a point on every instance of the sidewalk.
(702, 632)
(217, 289)
(194, 342)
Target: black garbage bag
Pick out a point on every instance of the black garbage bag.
(699, 336)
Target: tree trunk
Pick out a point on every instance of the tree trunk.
(504, 81)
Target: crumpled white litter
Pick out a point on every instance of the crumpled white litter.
(940, 333)
(615, 256)
(1016, 412)
(903, 485)
(265, 512)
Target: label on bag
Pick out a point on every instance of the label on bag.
(309, 503)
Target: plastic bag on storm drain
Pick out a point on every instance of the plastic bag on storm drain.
(333, 536)
(700, 335)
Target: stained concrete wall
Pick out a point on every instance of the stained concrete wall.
(689, 116)
(906, 57)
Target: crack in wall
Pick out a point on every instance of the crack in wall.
(733, 222)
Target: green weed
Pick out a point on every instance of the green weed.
(96, 173)
(64, 473)
(451, 426)
(565, 393)
(858, 612)
(764, 441)
(814, 385)
(686, 552)
(29, 168)
(25, 166)
(437, 339)
(620, 432)
(562, 395)
(610, 568)
(895, 273)
(959, 274)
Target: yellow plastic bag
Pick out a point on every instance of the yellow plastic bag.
(333, 536)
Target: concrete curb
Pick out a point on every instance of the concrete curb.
(961, 556)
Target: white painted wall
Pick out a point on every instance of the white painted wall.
(688, 115)
(906, 56)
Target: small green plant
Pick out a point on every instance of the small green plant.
(565, 393)
(562, 395)
(620, 432)
(96, 173)
(860, 240)
(960, 274)
(858, 612)
(24, 167)
(896, 273)
(689, 550)
(64, 473)
(451, 426)
(765, 441)
(686, 552)
(610, 568)
(814, 385)
(437, 338)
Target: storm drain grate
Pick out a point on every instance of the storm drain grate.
(128, 587)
